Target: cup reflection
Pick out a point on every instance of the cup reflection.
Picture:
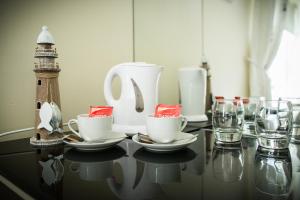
(197, 165)
(93, 166)
(164, 168)
(228, 162)
(273, 175)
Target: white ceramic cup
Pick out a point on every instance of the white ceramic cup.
(165, 129)
(91, 128)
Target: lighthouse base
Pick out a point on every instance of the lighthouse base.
(42, 142)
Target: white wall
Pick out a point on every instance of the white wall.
(92, 36)
(168, 32)
(226, 30)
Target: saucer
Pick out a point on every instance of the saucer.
(98, 145)
(182, 141)
(196, 118)
(128, 130)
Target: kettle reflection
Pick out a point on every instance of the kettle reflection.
(93, 166)
(273, 175)
(228, 163)
(128, 182)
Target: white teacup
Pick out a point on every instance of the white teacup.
(165, 129)
(92, 128)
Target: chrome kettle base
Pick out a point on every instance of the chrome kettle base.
(129, 130)
(196, 118)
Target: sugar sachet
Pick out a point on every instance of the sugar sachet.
(163, 110)
(98, 111)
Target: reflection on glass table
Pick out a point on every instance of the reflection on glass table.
(273, 175)
(228, 162)
(93, 166)
(202, 171)
(164, 168)
(51, 169)
(129, 182)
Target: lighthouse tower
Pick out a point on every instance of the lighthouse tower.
(47, 102)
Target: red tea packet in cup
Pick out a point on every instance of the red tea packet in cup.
(163, 110)
(98, 111)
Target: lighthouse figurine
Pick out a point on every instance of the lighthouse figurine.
(48, 120)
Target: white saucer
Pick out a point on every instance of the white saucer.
(114, 139)
(182, 141)
(196, 118)
(128, 130)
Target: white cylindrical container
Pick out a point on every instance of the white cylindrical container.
(192, 85)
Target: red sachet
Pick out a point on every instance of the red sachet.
(219, 99)
(98, 111)
(163, 110)
(245, 101)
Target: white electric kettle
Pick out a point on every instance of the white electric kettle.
(139, 95)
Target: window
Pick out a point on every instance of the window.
(284, 71)
(39, 82)
(38, 105)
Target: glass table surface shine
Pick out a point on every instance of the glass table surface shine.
(204, 170)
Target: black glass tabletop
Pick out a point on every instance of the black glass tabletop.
(203, 170)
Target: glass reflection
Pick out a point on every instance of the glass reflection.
(228, 162)
(273, 175)
(51, 170)
(93, 166)
(295, 156)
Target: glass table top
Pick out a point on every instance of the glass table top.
(204, 170)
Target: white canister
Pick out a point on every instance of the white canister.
(192, 85)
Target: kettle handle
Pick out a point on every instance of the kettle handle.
(112, 73)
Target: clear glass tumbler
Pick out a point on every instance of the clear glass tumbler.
(250, 105)
(228, 120)
(273, 124)
(295, 137)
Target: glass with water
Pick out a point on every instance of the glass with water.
(295, 137)
(228, 120)
(250, 105)
(273, 124)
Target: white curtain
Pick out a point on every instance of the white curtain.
(268, 19)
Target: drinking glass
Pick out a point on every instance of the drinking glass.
(295, 137)
(273, 124)
(250, 105)
(228, 120)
